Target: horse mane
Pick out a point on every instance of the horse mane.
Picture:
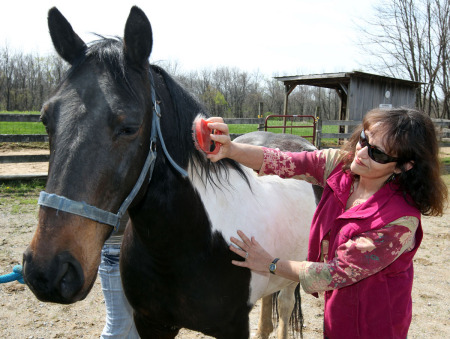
(187, 108)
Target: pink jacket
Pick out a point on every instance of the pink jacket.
(379, 306)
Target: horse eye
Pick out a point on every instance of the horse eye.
(127, 130)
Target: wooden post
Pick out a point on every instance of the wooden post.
(260, 109)
(287, 90)
(318, 130)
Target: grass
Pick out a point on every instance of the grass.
(22, 128)
(7, 127)
(246, 128)
(20, 112)
(242, 128)
(21, 189)
(20, 195)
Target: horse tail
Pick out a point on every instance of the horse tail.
(296, 319)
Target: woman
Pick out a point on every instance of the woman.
(367, 226)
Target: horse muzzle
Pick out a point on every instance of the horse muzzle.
(61, 280)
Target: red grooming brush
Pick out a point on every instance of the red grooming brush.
(202, 139)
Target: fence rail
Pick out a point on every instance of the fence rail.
(442, 125)
(15, 159)
(23, 138)
(5, 117)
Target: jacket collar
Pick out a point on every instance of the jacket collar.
(341, 182)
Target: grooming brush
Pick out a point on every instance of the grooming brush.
(202, 137)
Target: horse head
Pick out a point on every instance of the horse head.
(98, 122)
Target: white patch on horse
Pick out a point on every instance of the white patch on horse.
(278, 212)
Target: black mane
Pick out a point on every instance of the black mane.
(187, 108)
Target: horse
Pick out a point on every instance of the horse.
(120, 135)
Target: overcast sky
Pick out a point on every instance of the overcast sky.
(285, 37)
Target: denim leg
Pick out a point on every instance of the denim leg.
(119, 314)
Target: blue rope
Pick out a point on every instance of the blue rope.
(15, 275)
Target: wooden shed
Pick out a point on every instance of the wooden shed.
(359, 92)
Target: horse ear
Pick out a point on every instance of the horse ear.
(67, 43)
(138, 39)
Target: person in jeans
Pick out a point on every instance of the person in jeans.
(119, 313)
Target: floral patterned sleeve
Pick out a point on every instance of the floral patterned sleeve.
(360, 257)
(314, 167)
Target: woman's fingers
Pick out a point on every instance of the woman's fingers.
(256, 257)
(243, 243)
(238, 251)
(242, 250)
(223, 139)
(240, 263)
(220, 126)
(238, 242)
(244, 238)
(215, 119)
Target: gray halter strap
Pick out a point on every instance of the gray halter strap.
(85, 210)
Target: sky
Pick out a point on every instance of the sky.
(286, 37)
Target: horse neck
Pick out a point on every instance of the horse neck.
(172, 209)
(171, 215)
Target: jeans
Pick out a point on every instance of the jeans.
(119, 314)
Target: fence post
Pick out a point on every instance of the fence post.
(319, 133)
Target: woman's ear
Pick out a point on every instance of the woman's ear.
(406, 167)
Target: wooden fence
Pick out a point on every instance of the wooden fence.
(442, 125)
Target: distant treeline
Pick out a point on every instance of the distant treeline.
(27, 80)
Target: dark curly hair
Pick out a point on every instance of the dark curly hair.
(409, 135)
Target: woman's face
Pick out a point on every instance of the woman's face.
(366, 167)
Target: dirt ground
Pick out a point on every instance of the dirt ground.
(23, 316)
(25, 167)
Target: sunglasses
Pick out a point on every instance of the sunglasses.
(374, 153)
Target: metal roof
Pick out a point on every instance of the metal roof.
(334, 80)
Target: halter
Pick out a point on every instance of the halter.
(85, 210)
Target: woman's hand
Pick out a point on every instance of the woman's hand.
(246, 154)
(256, 257)
(216, 123)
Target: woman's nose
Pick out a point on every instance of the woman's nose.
(362, 152)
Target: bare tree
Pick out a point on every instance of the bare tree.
(26, 80)
(7, 72)
(409, 39)
(443, 79)
(274, 97)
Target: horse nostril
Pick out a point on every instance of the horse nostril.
(71, 279)
(60, 279)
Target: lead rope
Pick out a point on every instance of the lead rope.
(15, 275)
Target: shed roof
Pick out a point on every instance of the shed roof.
(334, 80)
